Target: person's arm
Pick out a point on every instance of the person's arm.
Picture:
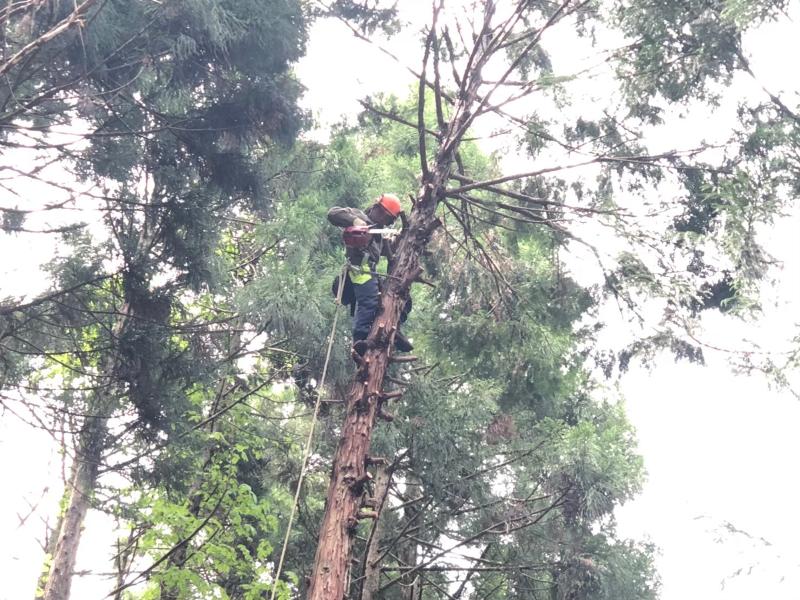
(390, 243)
(387, 249)
(345, 217)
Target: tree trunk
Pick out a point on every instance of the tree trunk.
(365, 396)
(364, 402)
(372, 565)
(408, 548)
(50, 550)
(81, 488)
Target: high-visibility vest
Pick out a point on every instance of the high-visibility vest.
(361, 275)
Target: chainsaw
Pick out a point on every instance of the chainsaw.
(359, 236)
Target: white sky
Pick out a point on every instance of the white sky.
(718, 447)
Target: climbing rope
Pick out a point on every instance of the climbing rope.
(307, 451)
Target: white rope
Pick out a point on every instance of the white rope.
(307, 451)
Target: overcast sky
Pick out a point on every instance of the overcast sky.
(720, 449)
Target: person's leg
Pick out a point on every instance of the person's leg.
(406, 309)
(367, 303)
(401, 342)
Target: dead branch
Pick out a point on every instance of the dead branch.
(74, 18)
(423, 153)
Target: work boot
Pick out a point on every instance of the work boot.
(401, 343)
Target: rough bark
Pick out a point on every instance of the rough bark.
(372, 566)
(408, 549)
(81, 489)
(364, 398)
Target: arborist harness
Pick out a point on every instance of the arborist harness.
(358, 237)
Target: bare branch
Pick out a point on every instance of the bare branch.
(643, 159)
(397, 118)
(423, 153)
(427, 564)
(74, 18)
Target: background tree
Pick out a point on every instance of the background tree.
(173, 106)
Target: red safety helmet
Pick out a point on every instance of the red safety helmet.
(391, 204)
(356, 236)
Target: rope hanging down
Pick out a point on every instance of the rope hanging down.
(307, 451)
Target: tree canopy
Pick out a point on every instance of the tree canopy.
(177, 351)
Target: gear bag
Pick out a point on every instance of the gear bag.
(348, 293)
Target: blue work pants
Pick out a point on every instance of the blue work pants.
(368, 301)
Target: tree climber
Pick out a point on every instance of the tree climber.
(378, 250)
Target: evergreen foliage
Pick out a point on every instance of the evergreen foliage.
(180, 342)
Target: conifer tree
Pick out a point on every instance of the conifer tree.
(675, 56)
(468, 408)
(172, 106)
(166, 345)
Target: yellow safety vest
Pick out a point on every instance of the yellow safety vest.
(361, 275)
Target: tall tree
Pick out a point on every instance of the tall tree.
(673, 55)
(138, 343)
(501, 363)
(179, 102)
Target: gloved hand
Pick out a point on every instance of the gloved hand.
(359, 222)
